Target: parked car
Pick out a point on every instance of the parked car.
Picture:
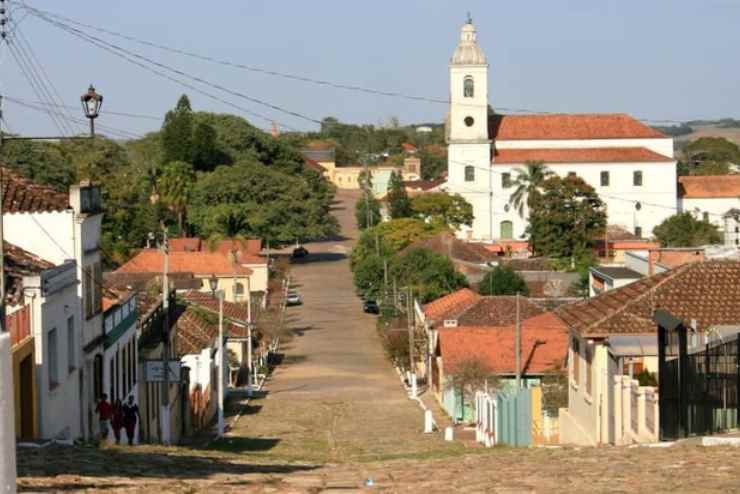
(299, 252)
(371, 307)
(294, 298)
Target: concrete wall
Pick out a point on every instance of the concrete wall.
(59, 406)
(33, 232)
(227, 284)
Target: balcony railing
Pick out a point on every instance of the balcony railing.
(19, 325)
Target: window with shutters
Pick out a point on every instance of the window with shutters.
(506, 180)
(469, 173)
(589, 368)
(605, 179)
(576, 352)
(468, 87)
(637, 179)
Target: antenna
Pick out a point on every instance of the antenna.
(470, 18)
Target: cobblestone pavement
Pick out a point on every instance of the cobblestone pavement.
(689, 468)
(334, 415)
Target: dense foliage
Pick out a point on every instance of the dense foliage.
(566, 218)
(683, 230)
(430, 275)
(361, 211)
(399, 204)
(203, 173)
(503, 280)
(708, 156)
(443, 209)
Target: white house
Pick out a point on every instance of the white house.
(57, 227)
(709, 197)
(48, 294)
(630, 165)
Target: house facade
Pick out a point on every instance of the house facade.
(709, 197)
(613, 336)
(630, 165)
(58, 227)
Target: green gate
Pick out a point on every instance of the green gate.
(514, 418)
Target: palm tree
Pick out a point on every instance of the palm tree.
(175, 186)
(528, 186)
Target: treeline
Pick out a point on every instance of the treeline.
(202, 174)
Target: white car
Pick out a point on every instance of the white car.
(294, 298)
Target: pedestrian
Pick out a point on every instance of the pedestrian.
(117, 420)
(130, 418)
(104, 411)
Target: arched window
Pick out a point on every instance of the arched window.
(469, 173)
(468, 87)
(507, 230)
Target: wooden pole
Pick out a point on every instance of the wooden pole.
(165, 413)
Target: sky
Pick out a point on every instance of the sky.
(655, 59)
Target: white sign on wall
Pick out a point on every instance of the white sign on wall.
(154, 371)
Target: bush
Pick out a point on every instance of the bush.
(503, 281)
(647, 378)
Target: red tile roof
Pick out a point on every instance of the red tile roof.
(197, 331)
(21, 195)
(449, 306)
(544, 346)
(570, 126)
(192, 244)
(713, 186)
(247, 250)
(410, 148)
(497, 311)
(449, 245)
(579, 155)
(235, 311)
(708, 292)
(198, 263)
(314, 165)
(20, 263)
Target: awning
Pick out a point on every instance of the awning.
(633, 345)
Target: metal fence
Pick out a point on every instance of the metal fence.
(699, 391)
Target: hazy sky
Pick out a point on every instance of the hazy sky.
(659, 59)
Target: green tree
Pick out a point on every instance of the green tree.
(528, 190)
(503, 280)
(567, 217)
(205, 152)
(442, 208)
(177, 132)
(361, 214)
(433, 162)
(367, 275)
(683, 230)
(399, 205)
(175, 186)
(429, 274)
(253, 199)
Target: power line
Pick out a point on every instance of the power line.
(90, 38)
(107, 111)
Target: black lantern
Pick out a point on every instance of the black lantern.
(91, 103)
(213, 282)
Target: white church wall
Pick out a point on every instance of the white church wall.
(658, 145)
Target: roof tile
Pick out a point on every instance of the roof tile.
(21, 195)
(709, 186)
(579, 155)
(569, 126)
(198, 263)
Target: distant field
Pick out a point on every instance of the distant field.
(709, 131)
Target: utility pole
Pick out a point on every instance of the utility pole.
(221, 364)
(518, 346)
(250, 367)
(385, 280)
(395, 294)
(165, 412)
(410, 321)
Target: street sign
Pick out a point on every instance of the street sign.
(154, 371)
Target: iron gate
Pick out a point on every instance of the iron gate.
(699, 392)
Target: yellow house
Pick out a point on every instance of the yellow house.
(24, 373)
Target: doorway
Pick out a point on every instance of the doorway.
(26, 398)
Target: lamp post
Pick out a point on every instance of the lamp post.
(213, 284)
(91, 103)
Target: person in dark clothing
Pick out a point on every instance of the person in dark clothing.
(104, 411)
(117, 420)
(130, 418)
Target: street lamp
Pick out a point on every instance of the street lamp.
(91, 103)
(213, 284)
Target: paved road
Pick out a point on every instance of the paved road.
(336, 397)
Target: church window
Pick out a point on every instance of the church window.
(605, 179)
(637, 179)
(506, 180)
(469, 173)
(571, 174)
(507, 230)
(469, 121)
(468, 87)
(638, 231)
(705, 216)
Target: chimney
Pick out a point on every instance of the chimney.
(85, 198)
(653, 257)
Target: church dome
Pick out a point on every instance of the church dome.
(468, 52)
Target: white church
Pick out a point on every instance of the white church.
(629, 164)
